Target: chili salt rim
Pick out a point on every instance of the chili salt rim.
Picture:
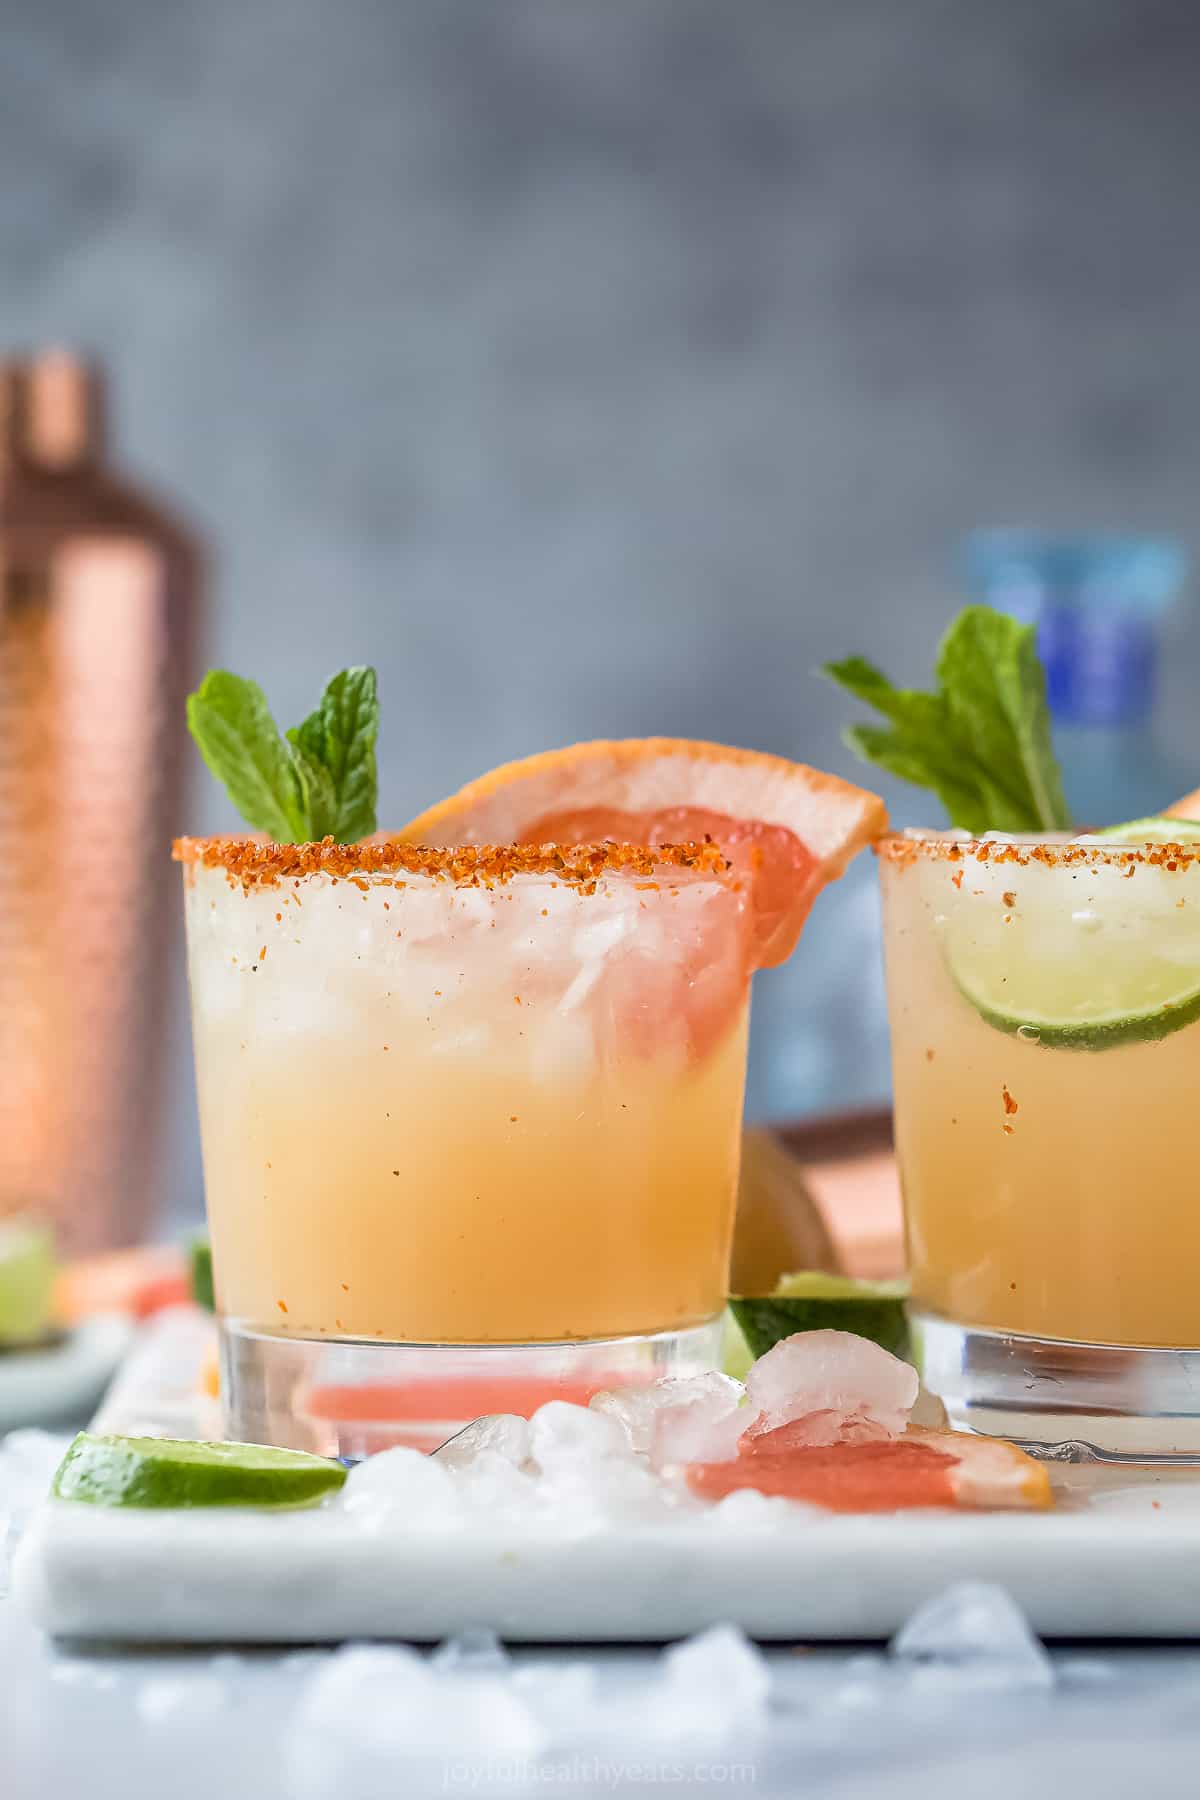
(257, 862)
(902, 849)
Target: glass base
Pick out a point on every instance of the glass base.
(1068, 1401)
(350, 1399)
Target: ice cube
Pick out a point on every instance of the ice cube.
(400, 1488)
(866, 1681)
(475, 1651)
(721, 1670)
(493, 1486)
(564, 1436)
(173, 1701)
(370, 1709)
(580, 986)
(813, 1431)
(562, 1048)
(747, 1511)
(586, 1471)
(637, 1408)
(564, 1699)
(976, 1633)
(599, 937)
(503, 1434)
(472, 906)
(834, 1371)
(929, 1411)
(587, 1495)
(705, 1430)
(711, 1687)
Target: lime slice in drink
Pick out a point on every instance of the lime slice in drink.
(1157, 830)
(814, 1301)
(1080, 957)
(27, 1269)
(139, 1471)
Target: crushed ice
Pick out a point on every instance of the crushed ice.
(852, 1385)
(400, 1488)
(639, 1409)
(475, 1651)
(367, 1707)
(974, 1632)
(621, 1456)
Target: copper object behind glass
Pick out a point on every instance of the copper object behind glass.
(97, 595)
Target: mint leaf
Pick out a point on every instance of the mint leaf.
(231, 722)
(315, 785)
(340, 736)
(320, 782)
(982, 740)
(992, 676)
(904, 754)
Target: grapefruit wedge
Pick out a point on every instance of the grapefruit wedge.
(786, 828)
(917, 1469)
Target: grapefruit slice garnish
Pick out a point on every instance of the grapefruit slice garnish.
(787, 828)
(918, 1468)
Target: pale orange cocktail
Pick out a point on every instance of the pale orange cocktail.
(471, 1115)
(468, 1098)
(1045, 1015)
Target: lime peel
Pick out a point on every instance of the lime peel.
(812, 1300)
(182, 1472)
(1159, 828)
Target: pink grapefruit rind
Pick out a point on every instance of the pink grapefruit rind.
(832, 817)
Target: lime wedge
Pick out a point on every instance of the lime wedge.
(813, 1301)
(139, 1471)
(736, 1354)
(200, 1273)
(27, 1269)
(1156, 830)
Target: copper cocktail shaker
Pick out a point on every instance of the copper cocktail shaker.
(98, 588)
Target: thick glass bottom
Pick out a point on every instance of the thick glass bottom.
(351, 1399)
(1061, 1399)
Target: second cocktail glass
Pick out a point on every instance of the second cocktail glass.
(1045, 1017)
(471, 1125)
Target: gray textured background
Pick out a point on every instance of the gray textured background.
(599, 366)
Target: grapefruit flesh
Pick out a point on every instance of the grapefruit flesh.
(916, 1469)
(782, 876)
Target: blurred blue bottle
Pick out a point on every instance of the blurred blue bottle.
(1099, 604)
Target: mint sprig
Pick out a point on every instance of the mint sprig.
(981, 741)
(340, 738)
(318, 781)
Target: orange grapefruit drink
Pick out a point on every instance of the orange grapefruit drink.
(1045, 1020)
(489, 1098)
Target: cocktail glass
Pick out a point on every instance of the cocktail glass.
(1045, 1020)
(470, 1123)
